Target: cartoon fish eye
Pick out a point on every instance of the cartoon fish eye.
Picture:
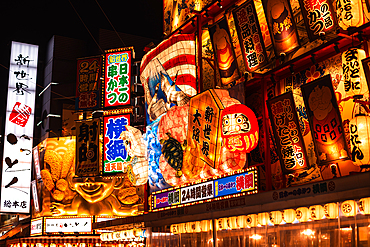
(226, 122)
(239, 119)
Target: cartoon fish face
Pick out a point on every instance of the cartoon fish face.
(235, 123)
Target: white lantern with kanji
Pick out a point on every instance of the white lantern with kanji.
(349, 13)
(359, 129)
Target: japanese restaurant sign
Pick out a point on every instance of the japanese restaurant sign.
(325, 120)
(19, 116)
(117, 77)
(236, 184)
(114, 147)
(289, 141)
(204, 116)
(318, 17)
(250, 36)
(88, 83)
(68, 225)
(87, 148)
(36, 227)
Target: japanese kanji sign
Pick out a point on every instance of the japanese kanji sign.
(17, 158)
(114, 147)
(87, 148)
(88, 83)
(318, 17)
(282, 26)
(68, 225)
(325, 121)
(117, 77)
(289, 141)
(250, 36)
(203, 127)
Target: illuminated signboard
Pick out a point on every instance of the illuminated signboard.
(218, 188)
(318, 16)
(87, 147)
(68, 225)
(325, 121)
(17, 158)
(36, 227)
(250, 36)
(88, 83)
(36, 161)
(114, 148)
(35, 196)
(117, 77)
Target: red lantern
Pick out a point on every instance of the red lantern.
(239, 128)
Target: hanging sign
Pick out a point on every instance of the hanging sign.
(325, 121)
(236, 184)
(36, 161)
(282, 26)
(318, 17)
(18, 135)
(68, 225)
(87, 148)
(224, 52)
(250, 36)
(289, 141)
(36, 227)
(117, 77)
(88, 83)
(114, 147)
(36, 203)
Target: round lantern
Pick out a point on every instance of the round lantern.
(198, 227)
(205, 225)
(349, 13)
(331, 210)
(302, 214)
(193, 226)
(221, 224)
(359, 129)
(263, 218)
(182, 228)
(289, 215)
(251, 220)
(239, 128)
(138, 232)
(174, 229)
(353, 72)
(276, 217)
(233, 222)
(349, 208)
(240, 221)
(130, 233)
(188, 227)
(364, 205)
(316, 212)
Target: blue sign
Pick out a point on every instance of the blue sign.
(235, 184)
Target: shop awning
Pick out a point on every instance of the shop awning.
(14, 231)
(58, 240)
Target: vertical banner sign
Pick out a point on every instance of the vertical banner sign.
(17, 161)
(36, 161)
(87, 148)
(366, 67)
(114, 147)
(35, 196)
(318, 16)
(288, 136)
(117, 77)
(88, 83)
(203, 136)
(250, 36)
(224, 52)
(281, 25)
(325, 121)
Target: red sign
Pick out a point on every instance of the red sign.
(318, 16)
(250, 36)
(289, 141)
(117, 78)
(88, 83)
(20, 114)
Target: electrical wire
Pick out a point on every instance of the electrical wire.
(86, 27)
(110, 22)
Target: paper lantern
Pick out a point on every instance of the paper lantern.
(262, 218)
(240, 221)
(205, 225)
(276, 217)
(239, 128)
(302, 214)
(353, 72)
(251, 220)
(316, 212)
(174, 229)
(198, 227)
(138, 232)
(193, 226)
(182, 228)
(331, 210)
(349, 208)
(364, 205)
(233, 222)
(188, 228)
(289, 215)
(349, 13)
(359, 129)
(221, 224)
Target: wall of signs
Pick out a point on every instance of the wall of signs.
(117, 77)
(88, 83)
(20, 109)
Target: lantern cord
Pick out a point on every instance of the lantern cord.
(364, 104)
